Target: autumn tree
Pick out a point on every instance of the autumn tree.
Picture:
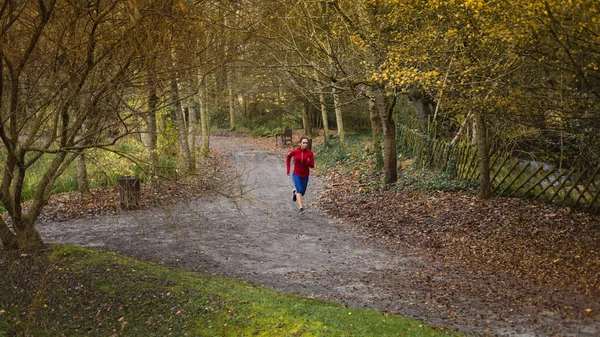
(64, 70)
(519, 68)
(211, 41)
(310, 44)
(364, 24)
(559, 93)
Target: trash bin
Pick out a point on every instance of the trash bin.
(129, 192)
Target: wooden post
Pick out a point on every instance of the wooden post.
(129, 192)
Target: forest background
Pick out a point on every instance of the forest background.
(87, 82)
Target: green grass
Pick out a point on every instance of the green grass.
(69, 291)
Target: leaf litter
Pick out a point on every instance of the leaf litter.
(525, 255)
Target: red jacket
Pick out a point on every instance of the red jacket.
(303, 160)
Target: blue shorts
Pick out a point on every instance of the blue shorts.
(300, 183)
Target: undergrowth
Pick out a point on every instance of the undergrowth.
(357, 158)
(411, 178)
(104, 168)
(66, 290)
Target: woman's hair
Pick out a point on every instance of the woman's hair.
(303, 137)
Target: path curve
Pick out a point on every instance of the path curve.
(263, 239)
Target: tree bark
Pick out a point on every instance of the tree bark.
(323, 110)
(204, 117)
(151, 129)
(385, 106)
(82, 176)
(376, 134)
(338, 116)
(192, 130)
(27, 236)
(305, 118)
(184, 147)
(324, 117)
(9, 239)
(484, 158)
(230, 100)
(422, 105)
(24, 235)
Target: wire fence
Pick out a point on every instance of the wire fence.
(575, 187)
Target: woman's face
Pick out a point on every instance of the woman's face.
(304, 143)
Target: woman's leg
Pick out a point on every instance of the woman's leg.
(300, 184)
(299, 196)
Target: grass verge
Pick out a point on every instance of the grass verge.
(69, 291)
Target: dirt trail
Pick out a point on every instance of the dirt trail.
(262, 239)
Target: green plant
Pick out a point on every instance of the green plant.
(353, 154)
(262, 131)
(104, 167)
(413, 178)
(358, 159)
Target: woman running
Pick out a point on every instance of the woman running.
(304, 160)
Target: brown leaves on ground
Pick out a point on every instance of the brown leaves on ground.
(214, 174)
(541, 245)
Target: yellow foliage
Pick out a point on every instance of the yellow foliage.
(474, 49)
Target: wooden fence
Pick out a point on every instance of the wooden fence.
(509, 176)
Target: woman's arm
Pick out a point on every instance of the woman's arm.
(287, 161)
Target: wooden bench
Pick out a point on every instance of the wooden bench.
(286, 137)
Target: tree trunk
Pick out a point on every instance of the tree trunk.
(422, 105)
(338, 116)
(204, 118)
(376, 133)
(305, 118)
(245, 104)
(484, 158)
(27, 237)
(151, 132)
(9, 239)
(230, 100)
(324, 117)
(192, 131)
(23, 234)
(323, 110)
(184, 147)
(82, 176)
(385, 106)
